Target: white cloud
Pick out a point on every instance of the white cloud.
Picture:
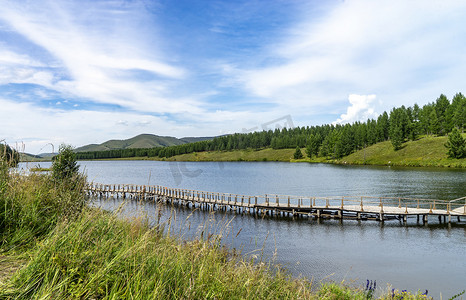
(94, 47)
(360, 109)
(388, 47)
(11, 58)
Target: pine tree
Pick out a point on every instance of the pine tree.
(313, 146)
(455, 145)
(434, 124)
(396, 137)
(298, 154)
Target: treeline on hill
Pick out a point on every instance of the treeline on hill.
(336, 141)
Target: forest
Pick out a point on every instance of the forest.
(438, 118)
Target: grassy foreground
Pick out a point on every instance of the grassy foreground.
(54, 247)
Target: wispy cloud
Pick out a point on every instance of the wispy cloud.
(94, 54)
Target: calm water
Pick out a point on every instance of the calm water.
(412, 256)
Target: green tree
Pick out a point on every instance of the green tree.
(396, 137)
(313, 144)
(298, 154)
(64, 166)
(455, 145)
(459, 114)
(434, 124)
(441, 107)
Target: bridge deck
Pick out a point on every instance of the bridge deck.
(380, 208)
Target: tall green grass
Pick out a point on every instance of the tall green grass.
(100, 256)
(31, 206)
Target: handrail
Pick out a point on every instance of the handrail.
(287, 201)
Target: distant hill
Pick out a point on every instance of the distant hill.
(27, 157)
(141, 141)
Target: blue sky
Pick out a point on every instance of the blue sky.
(82, 72)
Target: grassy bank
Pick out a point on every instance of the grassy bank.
(424, 152)
(54, 247)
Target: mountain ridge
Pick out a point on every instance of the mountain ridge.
(144, 140)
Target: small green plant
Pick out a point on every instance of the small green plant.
(370, 289)
(457, 295)
(298, 154)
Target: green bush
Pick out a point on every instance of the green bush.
(64, 164)
(298, 154)
(456, 145)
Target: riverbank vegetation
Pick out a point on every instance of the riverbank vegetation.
(427, 151)
(54, 246)
(329, 142)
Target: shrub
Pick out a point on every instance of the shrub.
(455, 145)
(298, 154)
(64, 164)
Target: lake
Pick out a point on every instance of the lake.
(409, 256)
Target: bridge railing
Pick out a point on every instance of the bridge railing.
(286, 201)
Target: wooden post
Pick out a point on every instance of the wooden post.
(289, 202)
(277, 201)
(342, 200)
(362, 208)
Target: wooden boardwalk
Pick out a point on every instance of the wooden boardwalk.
(359, 208)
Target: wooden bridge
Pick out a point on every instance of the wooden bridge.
(359, 208)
